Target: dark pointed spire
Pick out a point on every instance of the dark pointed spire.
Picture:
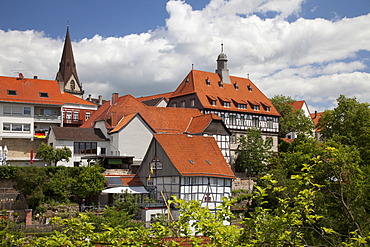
(67, 74)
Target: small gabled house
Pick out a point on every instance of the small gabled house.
(84, 143)
(299, 105)
(187, 166)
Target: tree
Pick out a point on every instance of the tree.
(342, 195)
(53, 155)
(253, 152)
(89, 182)
(349, 124)
(291, 120)
(30, 181)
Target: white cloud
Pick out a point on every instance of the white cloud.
(312, 59)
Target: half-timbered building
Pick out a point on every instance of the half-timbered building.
(236, 100)
(187, 166)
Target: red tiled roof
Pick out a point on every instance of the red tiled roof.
(69, 98)
(166, 96)
(298, 104)
(28, 91)
(128, 179)
(160, 119)
(315, 118)
(195, 83)
(287, 140)
(199, 123)
(122, 123)
(195, 155)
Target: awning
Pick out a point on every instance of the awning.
(129, 189)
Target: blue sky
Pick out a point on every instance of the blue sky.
(308, 49)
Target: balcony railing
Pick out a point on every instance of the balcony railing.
(48, 118)
(72, 121)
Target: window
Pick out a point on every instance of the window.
(183, 103)
(226, 104)
(236, 86)
(256, 107)
(213, 102)
(192, 102)
(208, 82)
(16, 127)
(12, 92)
(85, 148)
(174, 104)
(27, 111)
(242, 106)
(75, 115)
(267, 108)
(255, 122)
(103, 151)
(17, 110)
(46, 112)
(233, 119)
(220, 84)
(249, 88)
(44, 95)
(270, 123)
(68, 115)
(87, 115)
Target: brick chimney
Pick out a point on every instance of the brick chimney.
(100, 100)
(114, 98)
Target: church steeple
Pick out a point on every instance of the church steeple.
(222, 69)
(67, 74)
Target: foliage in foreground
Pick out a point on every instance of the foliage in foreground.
(295, 218)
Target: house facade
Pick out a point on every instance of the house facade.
(187, 166)
(83, 142)
(237, 101)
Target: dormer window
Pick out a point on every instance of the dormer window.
(44, 95)
(208, 82)
(174, 104)
(220, 84)
(12, 92)
(183, 104)
(249, 88)
(242, 106)
(192, 102)
(236, 86)
(256, 107)
(187, 81)
(267, 108)
(226, 104)
(213, 102)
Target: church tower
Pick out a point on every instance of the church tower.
(67, 74)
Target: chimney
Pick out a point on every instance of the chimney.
(100, 99)
(20, 76)
(114, 98)
(315, 114)
(89, 98)
(35, 77)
